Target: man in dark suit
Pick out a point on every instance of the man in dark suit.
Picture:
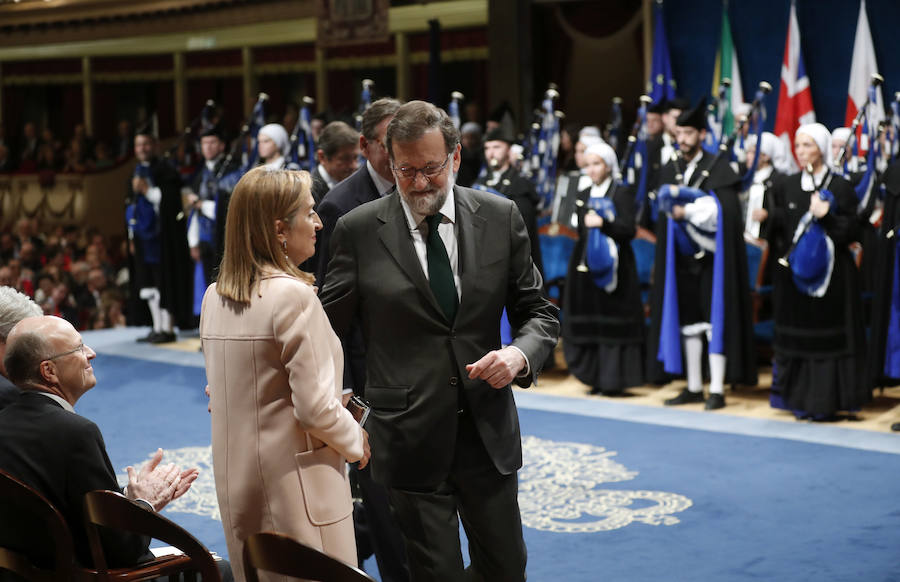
(444, 425)
(380, 534)
(337, 156)
(46, 444)
(370, 182)
(14, 307)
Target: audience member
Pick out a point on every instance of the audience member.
(14, 307)
(60, 453)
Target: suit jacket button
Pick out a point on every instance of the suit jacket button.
(454, 380)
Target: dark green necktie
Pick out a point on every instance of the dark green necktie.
(440, 275)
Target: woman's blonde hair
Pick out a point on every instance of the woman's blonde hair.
(261, 197)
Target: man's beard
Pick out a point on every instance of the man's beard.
(429, 201)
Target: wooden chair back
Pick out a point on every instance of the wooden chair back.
(42, 549)
(114, 510)
(280, 554)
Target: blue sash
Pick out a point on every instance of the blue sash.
(669, 350)
(602, 252)
(812, 259)
(892, 342)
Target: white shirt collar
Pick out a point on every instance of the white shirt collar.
(696, 159)
(762, 174)
(600, 190)
(276, 164)
(62, 401)
(413, 219)
(211, 164)
(326, 176)
(383, 186)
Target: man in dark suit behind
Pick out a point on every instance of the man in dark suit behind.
(46, 444)
(444, 424)
(14, 307)
(380, 535)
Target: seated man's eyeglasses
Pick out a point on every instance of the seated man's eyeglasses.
(409, 173)
(80, 348)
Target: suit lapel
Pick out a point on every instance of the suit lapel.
(471, 229)
(394, 234)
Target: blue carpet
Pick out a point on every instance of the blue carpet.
(609, 491)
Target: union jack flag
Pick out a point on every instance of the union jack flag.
(795, 106)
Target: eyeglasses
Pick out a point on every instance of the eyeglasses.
(409, 173)
(80, 348)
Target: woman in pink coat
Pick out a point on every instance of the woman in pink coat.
(280, 432)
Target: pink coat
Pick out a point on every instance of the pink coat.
(280, 435)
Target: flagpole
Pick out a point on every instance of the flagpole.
(648, 36)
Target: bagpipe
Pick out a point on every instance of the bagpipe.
(811, 254)
(251, 129)
(192, 131)
(302, 154)
(876, 81)
(684, 238)
(600, 255)
(453, 108)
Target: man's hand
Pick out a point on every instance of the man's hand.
(159, 484)
(498, 368)
(678, 212)
(208, 401)
(367, 452)
(195, 254)
(139, 185)
(759, 214)
(593, 220)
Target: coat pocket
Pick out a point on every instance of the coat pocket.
(326, 489)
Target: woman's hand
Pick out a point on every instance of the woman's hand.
(817, 206)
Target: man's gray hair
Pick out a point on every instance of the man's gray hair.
(415, 118)
(23, 359)
(14, 307)
(375, 114)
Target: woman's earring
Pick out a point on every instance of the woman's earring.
(284, 248)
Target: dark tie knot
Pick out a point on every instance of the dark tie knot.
(433, 222)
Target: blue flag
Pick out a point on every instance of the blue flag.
(661, 85)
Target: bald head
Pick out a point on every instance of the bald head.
(46, 353)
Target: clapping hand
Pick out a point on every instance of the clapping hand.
(159, 484)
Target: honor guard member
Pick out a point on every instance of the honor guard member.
(206, 202)
(706, 226)
(272, 146)
(158, 241)
(337, 156)
(506, 180)
(820, 345)
(571, 183)
(603, 327)
(756, 200)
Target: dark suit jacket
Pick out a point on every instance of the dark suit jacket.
(9, 393)
(319, 187)
(344, 197)
(415, 359)
(62, 455)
